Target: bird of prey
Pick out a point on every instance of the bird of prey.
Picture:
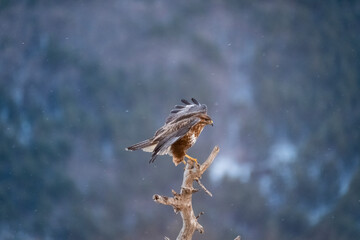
(181, 130)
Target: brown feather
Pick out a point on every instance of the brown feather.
(180, 132)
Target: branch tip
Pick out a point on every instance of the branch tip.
(201, 213)
(156, 197)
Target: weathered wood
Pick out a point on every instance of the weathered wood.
(183, 202)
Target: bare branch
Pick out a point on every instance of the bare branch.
(203, 187)
(201, 213)
(183, 202)
(209, 160)
(174, 202)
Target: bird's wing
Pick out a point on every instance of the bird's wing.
(186, 111)
(171, 133)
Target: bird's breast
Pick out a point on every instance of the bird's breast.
(194, 133)
(179, 148)
(197, 129)
(192, 139)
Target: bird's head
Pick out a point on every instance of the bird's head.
(206, 120)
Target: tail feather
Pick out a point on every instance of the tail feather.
(153, 157)
(140, 145)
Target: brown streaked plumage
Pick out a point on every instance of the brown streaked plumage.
(181, 130)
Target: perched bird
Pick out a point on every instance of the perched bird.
(181, 130)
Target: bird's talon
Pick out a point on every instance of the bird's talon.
(191, 158)
(194, 160)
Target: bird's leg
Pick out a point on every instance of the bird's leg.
(191, 158)
(184, 162)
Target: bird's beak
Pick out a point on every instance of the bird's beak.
(212, 123)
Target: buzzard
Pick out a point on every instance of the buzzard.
(181, 130)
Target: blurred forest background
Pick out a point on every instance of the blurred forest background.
(82, 80)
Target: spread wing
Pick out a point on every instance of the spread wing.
(170, 133)
(186, 111)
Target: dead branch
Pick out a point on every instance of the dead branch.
(203, 187)
(183, 202)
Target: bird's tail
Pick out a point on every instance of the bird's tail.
(147, 145)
